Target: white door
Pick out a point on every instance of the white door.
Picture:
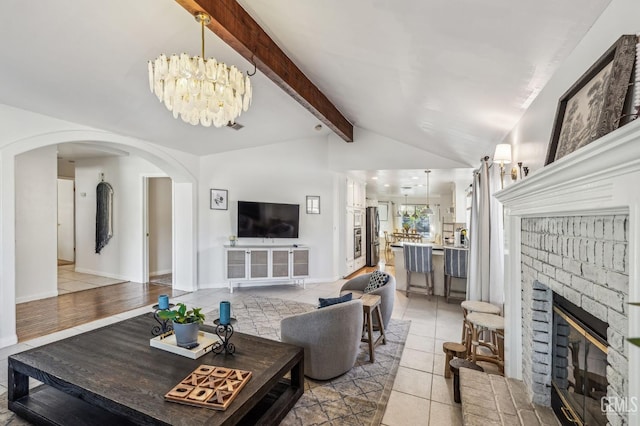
(66, 238)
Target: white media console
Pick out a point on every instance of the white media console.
(268, 264)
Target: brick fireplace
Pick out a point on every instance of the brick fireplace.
(571, 228)
(585, 260)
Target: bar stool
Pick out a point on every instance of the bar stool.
(455, 266)
(474, 306)
(419, 258)
(494, 324)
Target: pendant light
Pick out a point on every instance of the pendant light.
(428, 210)
(406, 207)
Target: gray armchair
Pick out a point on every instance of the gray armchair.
(330, 337)
(387, 293)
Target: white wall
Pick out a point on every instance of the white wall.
(530, 138)
(36, 224)
(160, 229)
(282, 173)
(23, 131)
(372, 151)
(122, 257)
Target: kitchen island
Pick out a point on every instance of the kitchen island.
(457, 284)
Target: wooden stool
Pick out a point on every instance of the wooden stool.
(371, 306)
(452, 350)
(469, 306)
(455, 366)
(494, 324)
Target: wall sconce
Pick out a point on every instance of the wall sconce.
(502, 156)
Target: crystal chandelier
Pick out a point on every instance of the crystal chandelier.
(200, 90)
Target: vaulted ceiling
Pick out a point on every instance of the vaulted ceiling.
(450, 78)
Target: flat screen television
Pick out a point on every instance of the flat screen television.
(267, 220)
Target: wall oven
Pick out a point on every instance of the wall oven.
(357, 243)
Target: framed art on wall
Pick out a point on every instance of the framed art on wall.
(313, 204)
(593, 106)
(219, 199)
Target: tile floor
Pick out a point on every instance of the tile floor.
(70, 281)
(420, 395)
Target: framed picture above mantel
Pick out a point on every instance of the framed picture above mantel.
(593, 106)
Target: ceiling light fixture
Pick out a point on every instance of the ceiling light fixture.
(200, 90)
(406, 207)
(428, 210)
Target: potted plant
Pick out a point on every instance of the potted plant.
(186, 324)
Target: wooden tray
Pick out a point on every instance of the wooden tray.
(209, 386)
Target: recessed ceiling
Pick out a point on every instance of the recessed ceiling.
(449, 78)
(388, 184)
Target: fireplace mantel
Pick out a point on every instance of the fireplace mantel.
(595, 178)
(600, 178)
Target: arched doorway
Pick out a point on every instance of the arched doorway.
(184, 214)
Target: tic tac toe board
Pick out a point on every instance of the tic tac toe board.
(210, 386)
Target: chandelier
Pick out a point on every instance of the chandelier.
(427, 210)
(200, 90)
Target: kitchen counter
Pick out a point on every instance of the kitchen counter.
(420, 279)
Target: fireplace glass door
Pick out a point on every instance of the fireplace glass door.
(579, 370)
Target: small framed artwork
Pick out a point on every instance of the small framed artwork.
(383, 212)
(313, 204)
(219, 199)
(593, 106)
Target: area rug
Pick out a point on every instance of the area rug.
(358, 397)
(9, 417)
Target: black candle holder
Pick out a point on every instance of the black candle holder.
(224, 332)
(163, 326)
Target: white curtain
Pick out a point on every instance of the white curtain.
(486, 250)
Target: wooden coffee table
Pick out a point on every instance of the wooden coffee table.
(112, 376)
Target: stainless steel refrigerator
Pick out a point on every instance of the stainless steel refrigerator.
(372, 239)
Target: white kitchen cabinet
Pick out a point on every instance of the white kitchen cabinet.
(459, 202)
(255, 264)
(356, 193)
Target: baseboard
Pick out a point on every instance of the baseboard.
(161, 272)
(37, 297)
(258, 283)
(102, 274)
(8, 341)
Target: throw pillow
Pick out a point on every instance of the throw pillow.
(376, 280)
(334, 300)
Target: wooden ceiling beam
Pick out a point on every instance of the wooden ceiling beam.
(238, 29)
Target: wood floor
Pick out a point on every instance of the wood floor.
(383, 265)
(46, 316)
(42, 317)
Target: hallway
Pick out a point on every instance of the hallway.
(46, 316)
(70, 281)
